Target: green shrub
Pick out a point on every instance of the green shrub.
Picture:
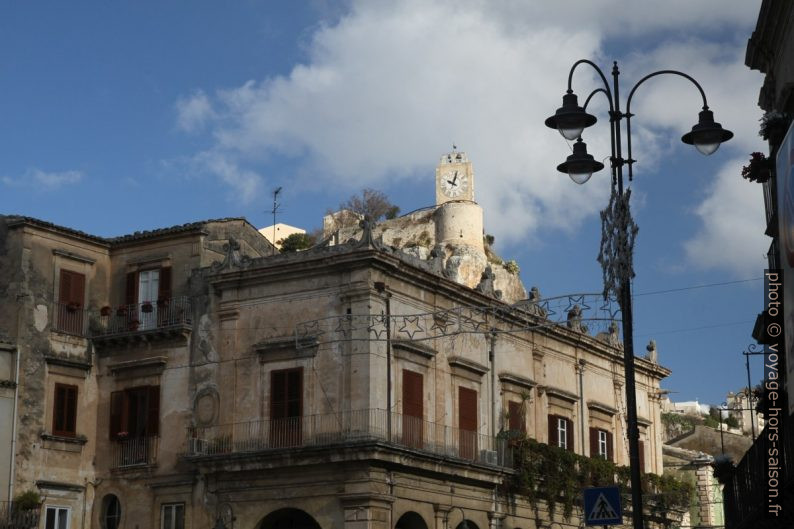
(27, 500)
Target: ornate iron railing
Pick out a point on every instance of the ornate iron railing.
(136, 451)
(746, 493)
(142, 316)
(12, 517)
(69, 318)
(346, 427)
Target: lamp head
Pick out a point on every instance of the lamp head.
(580, 166)
(570, 119)
(707, 135)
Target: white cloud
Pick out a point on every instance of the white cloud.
(733, 219)
(389, 87)
(46, 181)
(193, 112)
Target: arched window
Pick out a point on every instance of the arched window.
(111, 512)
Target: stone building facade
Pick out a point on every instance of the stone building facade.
(186, 377)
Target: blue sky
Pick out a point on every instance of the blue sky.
(136, 115)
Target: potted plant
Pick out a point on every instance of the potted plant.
(106, 310)
(134, 325)
(758, 170)
(72, 307)
(27, 500)
(146, 307)
(121, 311)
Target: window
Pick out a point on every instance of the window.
(135, 412)
(641, 454)
(561, 432)
(111, 512)
(172, 516)
(64, 410)
(601, 444)
(413, 408)
(467, 422)
(516, 417)
(147, 291)
(71, 299)
(56, 518)
(286, 407)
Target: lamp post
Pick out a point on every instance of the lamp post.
(618, 228)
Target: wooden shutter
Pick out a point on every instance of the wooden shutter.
(116, 413)
(593, 442)
(132, 288)
(72, 288)
(569, 434)
(467, 422)
(413, 409)
(64, 414)
(610, 450)
(641, 453)
(153, 411)
(413, 404)
(553, 437)
(164, 286)
(516, 420)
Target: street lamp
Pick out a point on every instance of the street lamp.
(619, 229)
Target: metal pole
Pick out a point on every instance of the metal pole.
(749, 392)
(628, 335)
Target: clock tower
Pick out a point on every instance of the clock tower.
(454, 178)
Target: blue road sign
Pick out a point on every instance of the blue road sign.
(602, 506)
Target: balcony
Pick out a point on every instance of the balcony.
(746, 493)
(12, 517)
(360, 426)
(69, 319)
(164, 317)
(134, 453)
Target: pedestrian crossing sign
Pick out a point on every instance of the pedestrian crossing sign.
(602, 506)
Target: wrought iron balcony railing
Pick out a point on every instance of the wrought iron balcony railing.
(69, 318)
(136, 451)
(347, 427)
(142, 317)
(746, 493)
(12, 517)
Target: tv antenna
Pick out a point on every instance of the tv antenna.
(274, 211)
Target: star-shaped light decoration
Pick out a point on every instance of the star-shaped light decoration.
(377, 326)
(410, 326)
(343, 326)
(442, 320)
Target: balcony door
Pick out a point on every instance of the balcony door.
(467, 422)
(413, 409)
(148, 293)
(71, 298)
(286, 407)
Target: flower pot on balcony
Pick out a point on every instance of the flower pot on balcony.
(121, 311)
(105, 311)
(147, 307)
(134, 324)
(72, 307)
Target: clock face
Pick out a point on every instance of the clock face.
(454, 183)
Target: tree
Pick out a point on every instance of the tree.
(295, 242)
(371, 203)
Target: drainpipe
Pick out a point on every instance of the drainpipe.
(15, 413)
(380, 286)
(581, 402)
(492, 358)
(14, 426)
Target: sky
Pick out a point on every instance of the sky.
(127, 116)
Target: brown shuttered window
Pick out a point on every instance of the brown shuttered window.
(641, 453)
(132, 288)
(135, 412)
(601, 444)
(71, 301)
(64, 416)
(413, 409)
(467, 422)
(164, 286)
(286, 407)
(516, 421)
(561, 432)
